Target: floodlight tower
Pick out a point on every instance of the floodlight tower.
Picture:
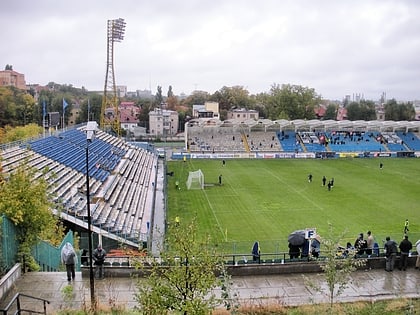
(110, 116)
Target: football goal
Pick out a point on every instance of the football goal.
(195, 180)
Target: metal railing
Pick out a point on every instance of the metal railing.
(18, 309)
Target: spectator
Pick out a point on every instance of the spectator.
(418, 254)
(370, 242)
(405, 247)
(69, 258)
(391, 249)
(305, 250)
(315, 247)
(256, 252)
(360, 245)
(294, 251)
(98, 256)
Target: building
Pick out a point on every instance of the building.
(242, 114)
(163, 122)
(121, 90)
(129, 116)
(12, 78)
(208, 110)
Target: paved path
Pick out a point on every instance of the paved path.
(281, 289)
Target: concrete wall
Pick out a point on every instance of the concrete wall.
(254, 269)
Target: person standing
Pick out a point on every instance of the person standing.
(370, 241)
(405, 247)
(310, 178)
(220, 179)
(360, 245)
(316, 247)
(390, 253)
(69, 258)
(418, 254)
(406, 224)
(324, 180)
(98, 256)
(256, 252)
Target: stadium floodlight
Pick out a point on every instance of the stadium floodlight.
(116, 29)
(91, 128)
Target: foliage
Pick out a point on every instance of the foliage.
(93, 103)
(363, 110)
(397, 112)
(331, 112)
(16, 107)
(184, 281)
(25, 201)
(291, 102)
(337, 266)
(10, 134)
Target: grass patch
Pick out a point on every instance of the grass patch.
(265, 200)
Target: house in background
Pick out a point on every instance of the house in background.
(12, 78)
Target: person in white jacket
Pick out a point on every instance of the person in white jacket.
(418, 254)
(69, 258)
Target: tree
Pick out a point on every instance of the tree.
(93, 104)
(158, 97)
(331, 112)
(8, 67)
(170, 92)
(363, 110)
(337, 266)
(397, 112)
(184, 282)
(291, 102)
(24, 199)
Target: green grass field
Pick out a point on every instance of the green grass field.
(266, 200)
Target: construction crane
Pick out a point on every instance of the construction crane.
(110, 116)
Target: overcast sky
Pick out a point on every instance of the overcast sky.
(336, 47)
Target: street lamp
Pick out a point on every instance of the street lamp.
(91, 129)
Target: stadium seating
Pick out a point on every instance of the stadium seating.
(122, 178)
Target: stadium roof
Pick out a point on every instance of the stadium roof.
(311, 125)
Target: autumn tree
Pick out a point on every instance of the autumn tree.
(185, 279)
(25, 200)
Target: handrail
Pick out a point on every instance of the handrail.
(19, 310)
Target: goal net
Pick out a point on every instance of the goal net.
(195, 180)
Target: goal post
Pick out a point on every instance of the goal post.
(195, 180)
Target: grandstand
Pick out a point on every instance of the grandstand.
(303, 138)
(122, 177)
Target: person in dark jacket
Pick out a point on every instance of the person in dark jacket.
(405, 247)
(294, 251)
(360, 245)
(391, 249)
(98, 256)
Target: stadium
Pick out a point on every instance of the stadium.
(135, 191)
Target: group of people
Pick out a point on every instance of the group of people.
(329, 185)
(69, 259)
(309, 248)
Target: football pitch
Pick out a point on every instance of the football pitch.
(266, 200)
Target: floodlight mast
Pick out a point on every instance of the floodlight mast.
(110, 116)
